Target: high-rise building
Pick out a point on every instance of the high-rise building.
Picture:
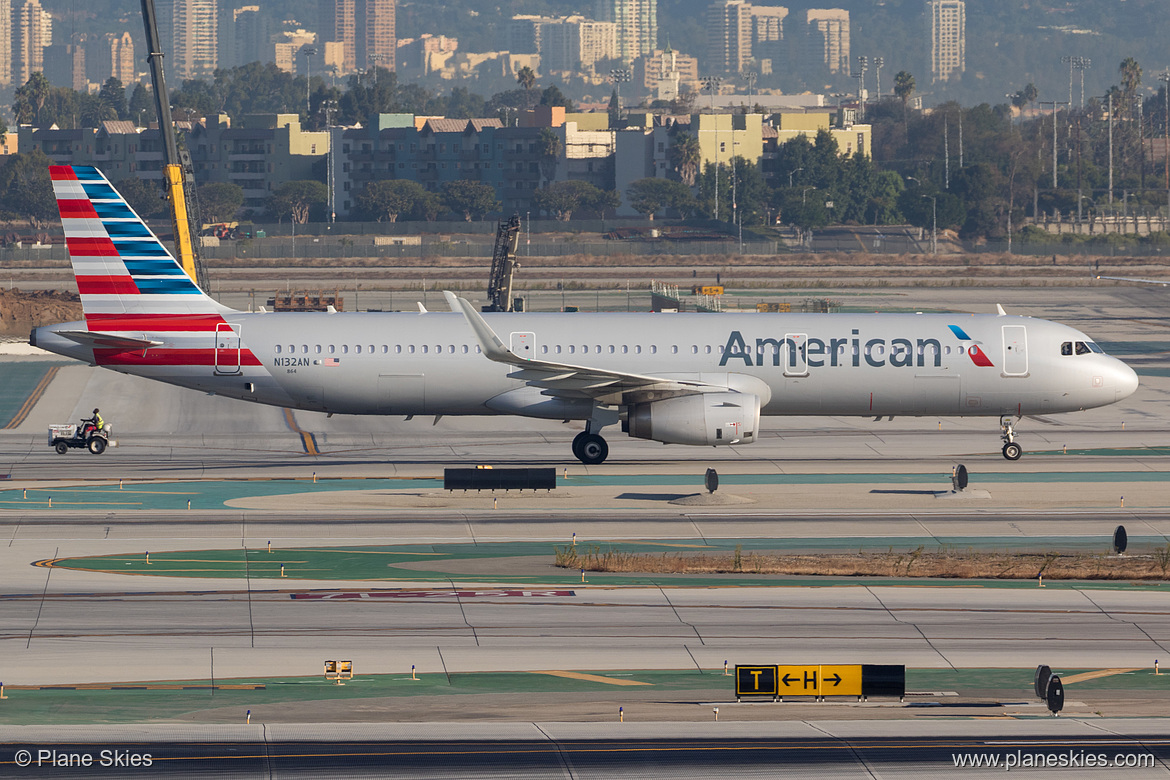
(64, 64)
(729, 35)
(32, 33)
(110, 55)
(243, 35)
(637, 26)
(5, 42)
(828, 31)
(946, 22)
(768, 45)
(576, 44)
(189, 32)
(366, 30)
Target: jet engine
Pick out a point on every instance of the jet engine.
(703, 419)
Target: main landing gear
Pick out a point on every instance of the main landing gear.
(590, 448)
(1007, 432)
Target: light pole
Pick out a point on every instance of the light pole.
(1055, 108)
(620, 76)
(309, 52)
(330, 107)
(798, 170)
(375, 59)
(1164, 77)
(750, 76)
(862, 67)
(933, 216)
(877, 66)
(711, 84)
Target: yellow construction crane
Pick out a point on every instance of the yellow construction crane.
(177, 169)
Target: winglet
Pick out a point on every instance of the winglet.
(999, 310)
(421, 309)
(489, 342)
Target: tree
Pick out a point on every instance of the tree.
(648, 196)
(552, 96)
(295, 199)
(614, 110)
(92, 111)
(28, 191)
(472, 199)
(389, 199)
(685, 156)
(904, 89)
(144, 196)
(563, 198)
(549, 147)
(141, 104)
(1131, 78)
(30, 99)
(112, 95)
(526, 78)
(220, 200)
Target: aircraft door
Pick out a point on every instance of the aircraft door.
(227, 348)
(795, 355)
(523, 345)
(1015, 350)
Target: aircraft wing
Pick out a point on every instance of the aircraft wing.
(1162, 282)
(565, 380)
(107, 340)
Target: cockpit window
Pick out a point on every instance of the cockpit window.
(1093, 346)
(1066, 348)
(1082, 348)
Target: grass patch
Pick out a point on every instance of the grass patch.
(940, 564)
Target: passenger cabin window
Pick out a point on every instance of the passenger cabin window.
(278, 348)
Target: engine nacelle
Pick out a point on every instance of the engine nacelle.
(703, 419)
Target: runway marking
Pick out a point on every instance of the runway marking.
(589, 677)
(33, 397)
(1076, 678)
(137, 687)
(362, 552)
(308, 441)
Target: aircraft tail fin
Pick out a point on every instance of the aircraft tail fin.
(121, 266)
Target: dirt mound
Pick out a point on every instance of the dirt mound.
(20, 311)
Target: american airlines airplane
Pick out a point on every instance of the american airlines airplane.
(699, 379)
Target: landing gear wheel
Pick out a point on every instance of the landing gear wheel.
(1012, 451)
(97, 445)
(580, 437)
(61, 447)
(592, 450)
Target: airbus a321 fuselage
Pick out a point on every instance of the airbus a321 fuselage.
(698, 379)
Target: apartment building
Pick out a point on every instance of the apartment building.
(366, 31)
(729, 35)
(637, 25)
(190, 36)
(32, 31)
(576, 44)
(828, 38)
(946, 22)
(5, 42)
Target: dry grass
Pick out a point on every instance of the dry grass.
(947, 564)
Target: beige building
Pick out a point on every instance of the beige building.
(850, 137)
(366, 30)
(637, 26)
(666, 64)
(5, 42)
(828, 30)
(32, 33)
(576, 44)
(190, 35)
(947, 26)
(729, 35)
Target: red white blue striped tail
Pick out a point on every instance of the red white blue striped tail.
(124, 273)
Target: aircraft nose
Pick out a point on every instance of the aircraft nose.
(1125, 380)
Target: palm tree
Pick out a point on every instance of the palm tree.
(549, 148)
(685, 156)
(904, 88)
(1131, 77)
(526, 78)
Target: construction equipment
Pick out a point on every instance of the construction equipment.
(178, 179)
(504, 265)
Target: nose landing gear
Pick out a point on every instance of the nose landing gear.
(1007, 432)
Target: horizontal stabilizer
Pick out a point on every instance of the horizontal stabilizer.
(107, 340)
